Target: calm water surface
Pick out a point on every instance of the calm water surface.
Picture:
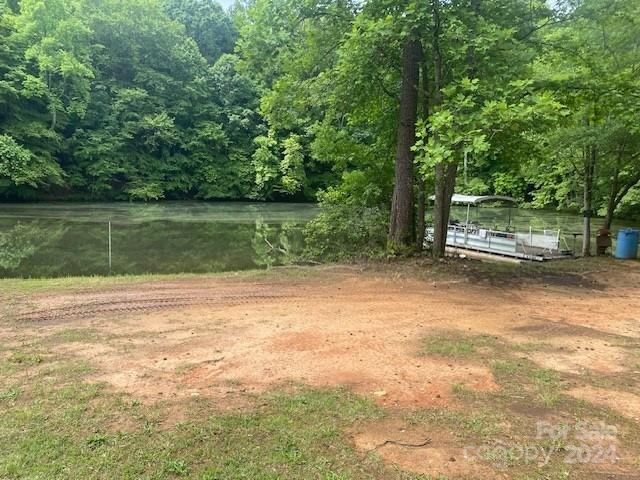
(59, 239)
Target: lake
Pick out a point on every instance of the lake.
(60, 239)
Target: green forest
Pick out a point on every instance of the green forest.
(367, 107)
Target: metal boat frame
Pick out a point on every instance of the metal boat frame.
(536, 245)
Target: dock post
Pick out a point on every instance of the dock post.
(109, 247)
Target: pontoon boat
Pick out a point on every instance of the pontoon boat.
(538, 245)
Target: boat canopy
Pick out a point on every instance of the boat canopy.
(477, 199)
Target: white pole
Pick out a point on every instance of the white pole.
(109, 247)
(466, 225)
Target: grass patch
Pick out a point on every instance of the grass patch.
(543, 377)
(462, 391)
(455, 344)
(516, 375)
(521, 376)
(56, 425)
(28, 359)
(10, 394)
(481, 424)
(38, 285)
(73, 335)
(25, 286)
(177, 467)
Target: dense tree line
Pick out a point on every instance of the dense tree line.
(369, 107)
(143, 99)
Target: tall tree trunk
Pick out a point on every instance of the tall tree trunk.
(590, 164)
(54, 112)
(400, 227)
(445, 184)
(422, 191)
(445, 172)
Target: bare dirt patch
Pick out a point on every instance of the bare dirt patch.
(625, 403)
(419, 449)
(319, 341)
(578, 354)
(344, 326)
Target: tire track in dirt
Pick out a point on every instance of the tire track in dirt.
(140, 305)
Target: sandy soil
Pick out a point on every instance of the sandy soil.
(228, 338)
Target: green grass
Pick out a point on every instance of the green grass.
(516, 376)
(481, 424)
(523, 377)
(22, 358)
(10, 394)
(84, 335)
(51, 285)
(462, 391)
(455, 345)
(26, 286)
(55, 424)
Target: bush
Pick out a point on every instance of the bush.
(347, 231)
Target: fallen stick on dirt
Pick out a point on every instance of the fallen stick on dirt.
(401, 444)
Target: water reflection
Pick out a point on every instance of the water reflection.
(23, 240)
(58, 240)
(50, 240)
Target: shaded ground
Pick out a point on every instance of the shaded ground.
(463, 358)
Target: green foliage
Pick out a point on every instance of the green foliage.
(292, 165)
(591, 63)
(206, 23)
(18, 166)
(509, 184)
(266, 164)
(58, 45)
(285, 99)
(351, 224)
(125, 100)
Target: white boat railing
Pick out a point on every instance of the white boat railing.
(547, 240)
(534, 242)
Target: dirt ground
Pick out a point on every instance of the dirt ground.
(359, 327)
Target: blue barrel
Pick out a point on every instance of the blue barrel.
(627, 245)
